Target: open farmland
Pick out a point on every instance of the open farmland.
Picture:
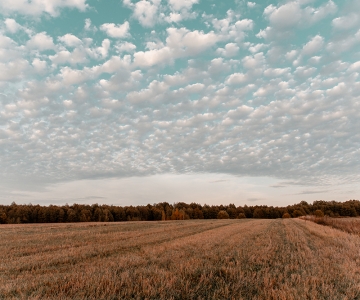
(194, 259)
(350, 225)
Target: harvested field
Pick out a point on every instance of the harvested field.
(350, 225)
(194, 259)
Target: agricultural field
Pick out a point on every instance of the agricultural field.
(192, 259)
(350, 225)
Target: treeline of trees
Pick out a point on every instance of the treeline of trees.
(12, 214)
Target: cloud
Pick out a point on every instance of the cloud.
(78, 56)
(40, 66)
(285, 16)
(12, 26)
(230, 50)
(199, 99)
(290, 15)
(40, 41)
(150, 12)
(347, 43)
(220, 180)
(254, 199)
(88, 26)
(346, 22)
(182, 4)
(310, 192)
(116, 31)
(70, 40)
(14, 70)
(144, 11)
(277, 186)
(236, 78)
(313, 46)
(125, 47)
(179, 43)
(38, 7)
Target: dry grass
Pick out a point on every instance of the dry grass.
(195, 259)
(350, 225)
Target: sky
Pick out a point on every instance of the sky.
(131, 102)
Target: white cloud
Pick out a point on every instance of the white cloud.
(144, 11)
(191, 42)
(70, 76)
(304, 72)
(346, 22)
(150, 12)
(153, 57)
(179, 43)
(12, 26)
(313, 15)
(244, 25)
(116, 31)
(100, 52)
(254, 48)
(125, 47)
(276, 72)
(354, 67)
(38, 7)
(70, 40)
(285, 16)
(14, 70)
(313, 46)
(152, 93)
(41, 41)
(78, 56)
(251, 4)
(182, 4)
(236, 78)
(88, 26)
(230, 50)
(40, 66)
(229, 105)
(347, 42)
(291, 15)
(255, 61)
(174, 17)
(291, 54)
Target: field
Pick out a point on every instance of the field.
(194, 259)
(350, 225)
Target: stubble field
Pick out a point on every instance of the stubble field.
(193, 259)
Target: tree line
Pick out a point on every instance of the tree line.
(20, 214)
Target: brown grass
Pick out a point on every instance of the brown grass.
(195, 259)
(350, 225)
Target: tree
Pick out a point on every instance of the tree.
(156, 213)
(197, 214)
(3, 217)
(231, 210)
(71, 215)
(85, 215)
(241, 216)
(178, 214)
(223, 215)
(108, 217)
(297, 213)
(258, 213)
(319, 213)
(286, 215)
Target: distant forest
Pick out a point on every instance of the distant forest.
(18, 214)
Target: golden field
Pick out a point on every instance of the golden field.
(350, 225)
(193, 259)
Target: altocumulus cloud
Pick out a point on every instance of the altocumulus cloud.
(180, 87)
